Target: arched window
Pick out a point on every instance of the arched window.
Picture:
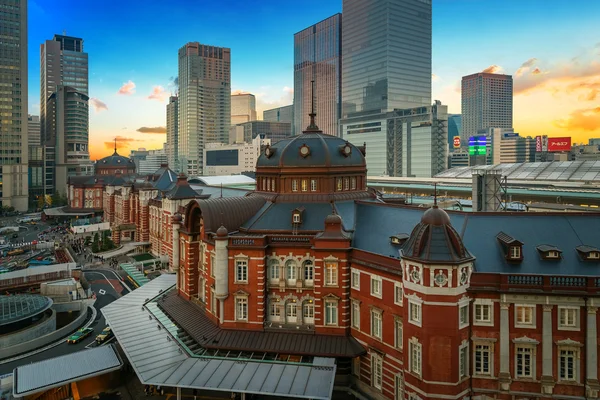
(291, 312)
(273, 270)
(309, 272)
(290, 271)
(274, 309)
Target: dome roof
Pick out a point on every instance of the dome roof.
(435, 240)
(115, 160)
(311, 149)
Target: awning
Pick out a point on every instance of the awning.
(54, 372)
(138, 277)
(159, 359)
(63, 212)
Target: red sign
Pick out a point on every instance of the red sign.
(538, 144)
(456, 141)
(559, 144)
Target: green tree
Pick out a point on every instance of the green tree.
(41, 201)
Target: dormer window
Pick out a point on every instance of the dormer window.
(398, 239)
(549, 252)
(512, 248)
(588, 253)
(515, 252)
(297, 215)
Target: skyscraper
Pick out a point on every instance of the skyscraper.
(243, 108)
(454, 128)
(386, 55)
(13, 102)
(487, 102)
(317, 56)
(204, 102)
(62, 62)
(172, 133)
(33, 130)
(280, 114)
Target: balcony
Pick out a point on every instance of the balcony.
(534, 283)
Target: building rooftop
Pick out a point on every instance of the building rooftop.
(18, 307)
(225, 180)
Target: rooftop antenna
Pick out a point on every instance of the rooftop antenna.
(313, 126)
(221, 193)
(435, 194)
(115, 145)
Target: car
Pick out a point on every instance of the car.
(79, 335)
(104, 335)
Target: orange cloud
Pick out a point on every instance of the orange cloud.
(492, 69)
(98, 105)
(585, 119)
(122, 143)
(127, 89)
(525, 66)
(592, 88)
(158, 93)
(536, 71)
(156, 129)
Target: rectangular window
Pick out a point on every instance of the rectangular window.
(376, 371)
(415, 357)
(376, 318)
(294, 185)
(331, 274)
(463, 361)
(241, 309)
(241, 271)
(376, 286)
(483, 313)
(353, 183)
(338, 184)
(212, 265)
(567, 317)
(397, 294)
(313, 185)
(524, 315)
(356, 280)
(463, 316)
(304, 185)
(213, 302)
(515, 252)
(346, 184)
(296, 218)
(274, 309)
(524, 362)
(415, 313)
(356, 315)
(331, 316)
(482, 359)
(398, 334)
(567, 365)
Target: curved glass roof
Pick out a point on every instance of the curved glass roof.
(582, 171)
(21, 306)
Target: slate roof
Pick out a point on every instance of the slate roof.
(278, 217)
(195, 322)
(228, 211)
(375, 222)
(324, 152)
(164, 178)
(115, 160)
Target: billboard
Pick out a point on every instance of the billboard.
(478, 145)
(538, 144)
(559, 144)
(456, 142)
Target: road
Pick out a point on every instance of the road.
(107, 288)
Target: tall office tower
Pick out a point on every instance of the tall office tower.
(487, 102)
(62, 62)
(243, 108)
(204, 102)
(280, 114)
(13, 102)
(386, 55)
(454, 128)
(317, 56)
(33, 130)
(67, 119)
(172, 132)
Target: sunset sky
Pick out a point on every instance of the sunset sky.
(552, 49)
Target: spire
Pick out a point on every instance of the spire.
(313, 126)
(115, 145)
(435, 194)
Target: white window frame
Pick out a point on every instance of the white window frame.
(478, 308)
(331, 273)
(313, 185)
(566, 310)
(376, 371)
(522, 313)
(353, 183)
(294, 185)
(463, 315)
(273, 268)
(291, 265)
(576, 364)
(331, 306)
(296, 218)
(304, 185)
(415, 356)
(239, 300)
(274, 310)
(593, 255)
(514, 252)
(308, 272)
(376, 323)
(355, 315)
(308, 317)
(463, 360)
(241, 270)
(523, 350)
(376, 283)
(398, 333)
(483, 348)
(415, 312)
(355, 277)
(398, 294)
(213, 302)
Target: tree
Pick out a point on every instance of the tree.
(41, 201)
(96, 243)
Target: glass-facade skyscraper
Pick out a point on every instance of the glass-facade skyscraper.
(386, 55)
(13, 103)
(317, 57)
(454, 128)
(204, 102)
(172, 132)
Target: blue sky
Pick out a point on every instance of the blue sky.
(137, 41)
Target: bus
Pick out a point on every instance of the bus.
(28, 219)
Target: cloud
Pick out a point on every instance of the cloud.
(289, 90)
(98, 105)
(536, 71)
(122, 143)
(526, 66)
(158, 93)
(492, 69)
(591, 89)
(156, 129)
(236, 92)
(270, 97)
(128, 88)
(434, 78)
(584, 119)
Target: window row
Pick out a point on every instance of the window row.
(292, 272)
(344, 184)
(375, 286)
(304, 185)
(292, 311)
(524, 316)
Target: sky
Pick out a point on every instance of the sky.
(552, 49)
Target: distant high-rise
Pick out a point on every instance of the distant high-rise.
(243, 108)
(62, 62)
(386, 55)
(280, 114)
(13, 102)
(454, 128)
(487, 102)
(172, 132)
(33, 130)
(317, 56)
(204, 102)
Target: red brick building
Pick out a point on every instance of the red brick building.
(412, 304)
